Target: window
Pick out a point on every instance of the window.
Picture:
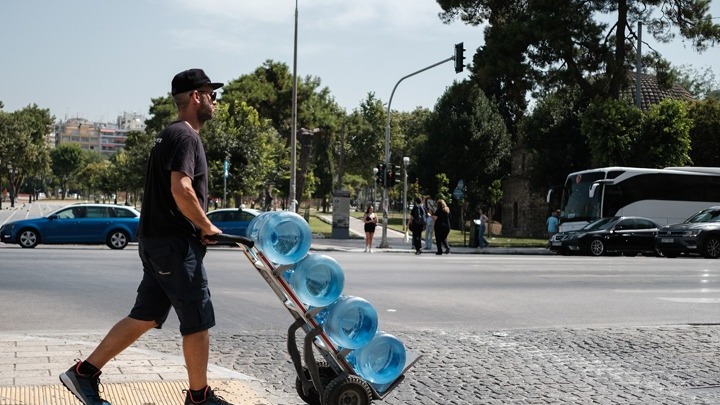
(97, 212)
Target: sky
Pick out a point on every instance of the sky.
(96, 59)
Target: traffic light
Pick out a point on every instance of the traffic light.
(390, 177)
(397, 175)
(380, 175)
(459, 57)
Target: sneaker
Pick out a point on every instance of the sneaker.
(210, 398)
(84, 387)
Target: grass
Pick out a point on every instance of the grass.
(456, 237)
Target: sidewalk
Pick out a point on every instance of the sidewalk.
(397, 244)
(30, 364)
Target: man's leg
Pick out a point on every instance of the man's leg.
(122, 335)
(196, 349)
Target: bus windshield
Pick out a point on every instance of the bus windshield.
(577, 205)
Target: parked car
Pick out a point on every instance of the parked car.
(699, 234)
(233, 221)
(627, 235)
(112, 225)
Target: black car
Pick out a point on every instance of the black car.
(699, 234)
(627, 235)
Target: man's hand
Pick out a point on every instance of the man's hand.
(212, 231)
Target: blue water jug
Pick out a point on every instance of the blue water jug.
(381, 361)
(350, 322)
(284, 237)
(254, 225)
(317, 280)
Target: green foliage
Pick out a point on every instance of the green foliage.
(254, 149)
(443, 188)
(553, 139)
(665, 139)
(22, 144)
(67, 160)
(162, 112)
(704, 133)
(467, 139)
(612, 129)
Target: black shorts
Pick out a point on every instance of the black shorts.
(174, 276)
(370, 227)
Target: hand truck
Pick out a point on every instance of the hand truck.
(332, 381)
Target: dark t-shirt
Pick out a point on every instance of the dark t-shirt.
(177, 148)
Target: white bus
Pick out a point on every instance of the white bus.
(667, 196)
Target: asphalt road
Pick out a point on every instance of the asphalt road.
(491, 329)
(48, 285)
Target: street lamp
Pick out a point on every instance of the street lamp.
(406, 162)
(375, 172)
(11, 175)
(293, 136)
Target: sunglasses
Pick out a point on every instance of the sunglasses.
(213, 95)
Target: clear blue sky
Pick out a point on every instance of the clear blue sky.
(96, 59)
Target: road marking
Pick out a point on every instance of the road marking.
(692, 300)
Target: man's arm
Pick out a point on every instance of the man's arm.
(187, 202)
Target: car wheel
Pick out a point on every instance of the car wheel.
(596, 247)
(117, 239)
(28, 238)
(712, 248)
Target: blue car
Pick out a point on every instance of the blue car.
(233, 221)
(113, 225)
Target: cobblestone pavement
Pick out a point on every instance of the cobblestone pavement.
(641, 365)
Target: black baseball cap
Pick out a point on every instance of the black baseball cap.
(191, 79)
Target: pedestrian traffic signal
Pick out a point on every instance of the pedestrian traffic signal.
(459, 57)
(380, 175)
(390, 178)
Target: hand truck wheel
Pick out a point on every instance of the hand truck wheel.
(327, 373)
(347, 390)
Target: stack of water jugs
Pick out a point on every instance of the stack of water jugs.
(349, 322)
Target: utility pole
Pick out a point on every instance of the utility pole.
(458, 57)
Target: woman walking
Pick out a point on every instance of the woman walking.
(441, 217)
(370, 220)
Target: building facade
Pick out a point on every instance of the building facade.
(104, 138)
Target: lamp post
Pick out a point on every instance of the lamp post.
(375, 172)
(11, 175)
(293, 135)
(406, 162)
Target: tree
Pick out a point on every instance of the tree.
(269, 91)
(612, 129)
(665, 139)
(254, 149)
(544, 45)
(23, 149)
(467, 139)
(162, 112)
(67, 160)
(554, 140)
(704, 133)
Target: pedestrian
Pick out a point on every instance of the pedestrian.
(172, 236)
(441, 218)
(429, 205)
(553, 224)
(482, 225)
(370, 219)
(416, 224)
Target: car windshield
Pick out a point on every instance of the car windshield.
(601, 223)
(709, 215)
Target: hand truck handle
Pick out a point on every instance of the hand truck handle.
(222, 237)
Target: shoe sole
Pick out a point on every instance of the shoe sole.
(70, 383)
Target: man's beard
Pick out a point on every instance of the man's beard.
(206, 111)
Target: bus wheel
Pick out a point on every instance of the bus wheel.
(597, 247)
(712, 247)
